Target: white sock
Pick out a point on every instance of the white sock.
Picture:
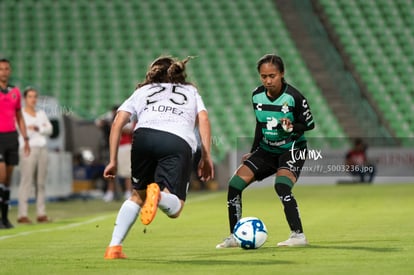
(127, 215)
(169, 204)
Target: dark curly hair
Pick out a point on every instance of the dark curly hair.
(166, 69)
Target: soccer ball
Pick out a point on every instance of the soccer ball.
(250, 233)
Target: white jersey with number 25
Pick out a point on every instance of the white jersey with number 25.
(167, 107)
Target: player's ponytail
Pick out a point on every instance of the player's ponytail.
(166, 69)
(156, 74)
(176, 72)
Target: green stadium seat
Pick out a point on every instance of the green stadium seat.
(377, 36)
(91, 54)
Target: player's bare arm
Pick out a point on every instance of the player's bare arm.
(22, 128)
(120, 120)
(206, 169)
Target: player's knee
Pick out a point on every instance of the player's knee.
(137, 198)
(237, 183)
(174, 212)
(283, 187)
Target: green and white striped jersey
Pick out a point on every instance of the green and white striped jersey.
(290, 104)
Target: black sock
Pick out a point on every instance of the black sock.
(290, 206)
(1, 201)
(5, 205)
(234, 206)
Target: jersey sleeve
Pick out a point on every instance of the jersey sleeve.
(45, 127)
(258, 135)
(302, 113)
(19, 99)
(131, 104)
(200, 103)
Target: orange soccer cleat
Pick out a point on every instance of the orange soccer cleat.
(114, 252)
(150, 207)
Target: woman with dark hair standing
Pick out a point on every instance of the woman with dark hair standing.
(33, 167)
(167, 109)
(282, 117)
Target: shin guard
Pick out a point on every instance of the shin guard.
(283, 187)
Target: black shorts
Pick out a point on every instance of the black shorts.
(265, 164)
(9, 148)
(161, 157)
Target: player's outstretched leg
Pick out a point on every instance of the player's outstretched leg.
(234, 207)
(127, 216)
(283, 187)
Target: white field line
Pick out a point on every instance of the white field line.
(204, 197)
(54, 228)
(99, 218)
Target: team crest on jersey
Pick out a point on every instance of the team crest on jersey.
(11, 93)
(285, 108)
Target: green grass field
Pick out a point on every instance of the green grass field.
(360, 229)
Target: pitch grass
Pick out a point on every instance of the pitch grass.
(364, 229)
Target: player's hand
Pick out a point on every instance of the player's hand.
(110, 171)
(206, 169)
(26, 149)
(245, 157)
(286, 125)
(33, 128)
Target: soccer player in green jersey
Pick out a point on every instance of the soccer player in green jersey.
(279, 147)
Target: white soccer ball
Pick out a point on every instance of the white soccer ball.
(250, 233)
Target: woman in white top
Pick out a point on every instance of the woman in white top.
(33, 167)
(167, 109)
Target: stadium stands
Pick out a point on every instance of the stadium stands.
(378, 37)
(91, 54)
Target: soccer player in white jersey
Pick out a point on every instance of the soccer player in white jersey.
(167, 109)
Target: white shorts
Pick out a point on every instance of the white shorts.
(124, 161)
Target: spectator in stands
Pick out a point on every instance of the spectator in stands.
(282, 117)
(10, 114)
(33, 168)
(167, 108)
(357, 161)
